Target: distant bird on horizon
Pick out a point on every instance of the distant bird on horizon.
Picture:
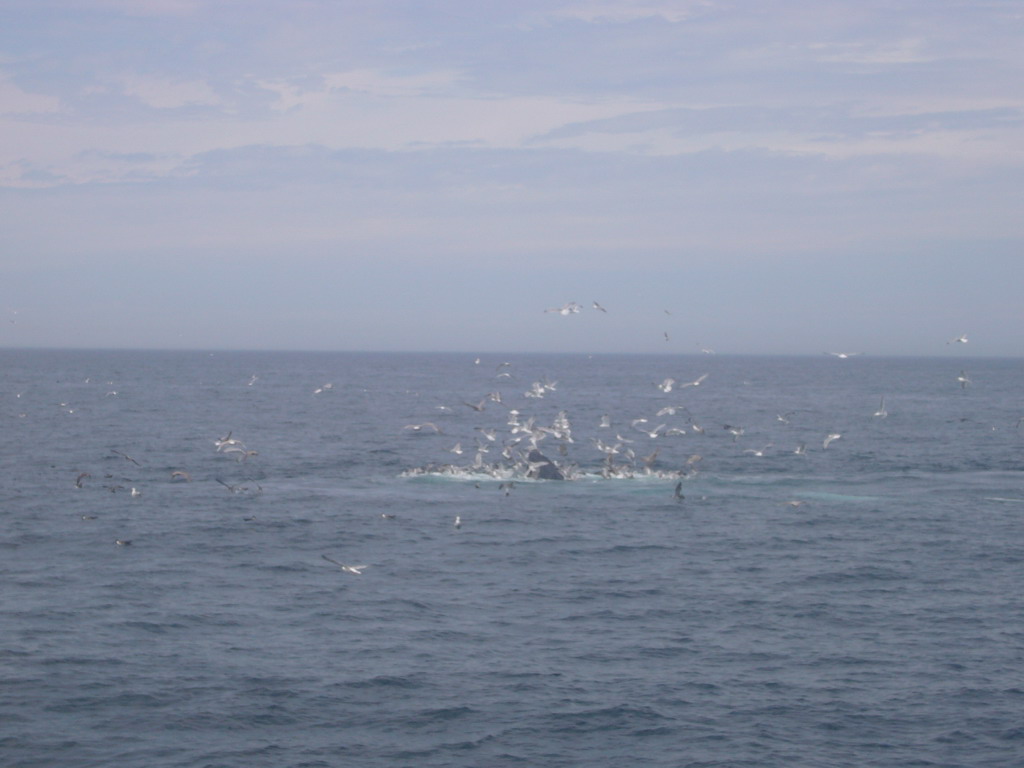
(599, 308)
(570, 308)
(961, 339)
(844, 355)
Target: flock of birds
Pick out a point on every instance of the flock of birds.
(518, 446)
(518, 449)
(524, 447)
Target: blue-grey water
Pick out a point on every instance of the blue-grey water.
(857, 606)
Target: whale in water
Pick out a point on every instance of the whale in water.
(542, 468)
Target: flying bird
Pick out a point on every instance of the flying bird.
(125, 456)
(429, 425)
(356, 569)
(568, 309)
(881, 412)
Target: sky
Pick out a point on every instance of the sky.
(793, 177)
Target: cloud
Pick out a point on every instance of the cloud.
(837, 130)
(906, 51)
(15, 101)
(300, 93)
(629, 10)
(394, 84)
(167, 93)
(138, 7)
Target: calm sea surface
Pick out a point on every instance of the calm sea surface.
(856, 605)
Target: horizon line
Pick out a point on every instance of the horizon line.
(477, 353)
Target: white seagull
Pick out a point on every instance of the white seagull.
(881, 412)
(356, 569)
(568, 309)
(667, 384)
(429, 425)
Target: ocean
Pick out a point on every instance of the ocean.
(711, 586)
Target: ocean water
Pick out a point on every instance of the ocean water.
(856, 605)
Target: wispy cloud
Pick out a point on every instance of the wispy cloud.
(168, 93)
(905, 51)
(621, 11)
(16, 101)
